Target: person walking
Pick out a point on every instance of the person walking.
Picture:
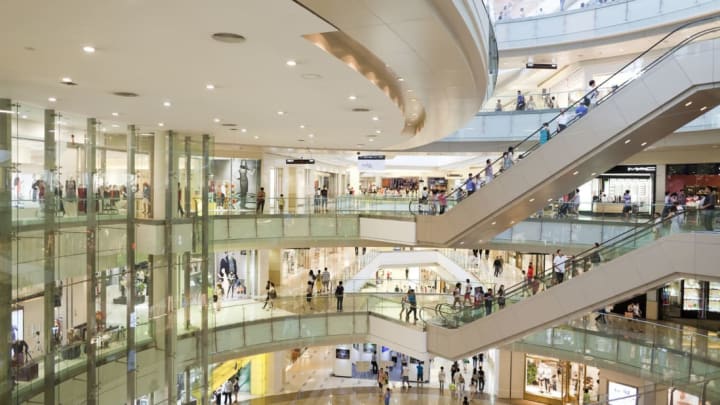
(627, 205)
(441, 380)
(468, 292)
(267, 294)
(339, 295)
(498, 106)
(497, 266)
(456, 296)
(708, 208)
(227, 391)
(488, 300)
(405, 374)
(420, 375)
(529, 274)
(260, 201)
(272, 294)
(412, 302)
(481, 379)
(326, 281)
(501, 297)
(281, 203)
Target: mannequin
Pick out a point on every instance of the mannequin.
(70, 189)
(244, 183)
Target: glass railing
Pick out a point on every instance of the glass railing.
(682, 36)
(661, 350)
(453, 316)
(536, 8)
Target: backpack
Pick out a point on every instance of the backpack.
(273, 294)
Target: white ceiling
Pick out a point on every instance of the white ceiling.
(163, 50)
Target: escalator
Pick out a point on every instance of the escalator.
(628, 265)
(656, 98)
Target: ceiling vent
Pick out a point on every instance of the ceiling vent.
(125, 94)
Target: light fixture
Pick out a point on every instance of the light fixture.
(256, 137)
(643, 144)
(512, 222)
(400, 79)
(115, 125)
(413, 100)
(52, 99)
(311, 135)
(114, 114)
(216, 120)
(575, 173)
(161, 124)
(24, 117)
(532, 199)
(210, 86)
(593, 174)
(703, 108)
(371, 139)
(281, 112)
(627, 141)
(302, 126)
(352, 98)
(462, 242)
(493, 223)
(244, 130)
(67, 80)
(688, 104)
(376, 118)
(167, 103)
(410, 91)
(291, 62)
(377, 131)
(7, 112)
(88, 49)
(549, 199)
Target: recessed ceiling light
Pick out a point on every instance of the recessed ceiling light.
(703, 108)
(593, 174)
(256, 137)
(244, 130)
(88, 49)
(493, 223)
(7, 111)
(688, 104)
(291, 62)
(352, 98)
(462, 242)
(627, 141)
(575, 173)
(24, 117)
(377, 131)
(210, 86)
(413, 100)
(643, 144)
(104, 129)
(167, 103)
(549, 199)
(115, 125)
(216, 120)
(532, 199)
(371, 139)
(67, 80)
(400, 79)
(281, 112)
(161, 124)
(114, 114)
(311, 135)
(302, 126)
(410, 91)
(52, 99)
(512, 222)
(376, 118)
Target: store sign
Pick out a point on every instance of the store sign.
(621, 394)
(365, 165)
(678, 397)
(371, 157)
(299, 161)
(633, 169)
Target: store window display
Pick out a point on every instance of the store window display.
(553, 381)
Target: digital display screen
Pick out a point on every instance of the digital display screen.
(342, 354)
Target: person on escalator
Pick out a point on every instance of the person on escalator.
(470, 184)
(544, 133)
(520, 104)
(562, 121)
(580, 110)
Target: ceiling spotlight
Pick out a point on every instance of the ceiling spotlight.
(88, 49)
(371, 139)
(532, 199)
(688, 104)
(52, 99)
(210, 86)
(462, 242)
(593, 174)
(352, 98)
(703, 108)
(575, 173)
(493, 223)
(161, 124)
(549, 199)
(377, 131)
(400, 79)
(24, 117)
(302, 126)
(256, 137)
(114, 114)
(216, 120)
(167, 103)
(115, 125)
(291, 62)
(627, 141)
(376, 118)
(410, 91)
(243, 130)
(67, 80)
(311, 135)
(281, 112)
(512, 222)
(643, 144)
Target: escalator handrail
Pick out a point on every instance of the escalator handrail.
(624, 84)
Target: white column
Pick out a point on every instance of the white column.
(160, 175)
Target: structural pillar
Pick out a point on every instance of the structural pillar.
(170, 273)
(130, 317)
(186, 256)
(49, 233)
(204, 358)
(5, 243)
(91, 261)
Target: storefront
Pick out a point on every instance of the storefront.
(604, 193)
(691, 179)
(690, 299)
(236, 272)
(553, 381)
(234, 183)
(437, 184)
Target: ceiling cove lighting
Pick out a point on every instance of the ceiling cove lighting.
(88, 49)
(281, 113)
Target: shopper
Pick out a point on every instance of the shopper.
(596, 257)
(387, 396)
(529, 274)
(404, 306)
(326, 281)
(544, 133)
(481, 379)
(470, 184)
(405, 374)
(559, 264)
(412, 302)
(420, 375)
(281, 203)
(562, 120)
(627, 205)
(501, 297)
(456, 296)
(227, 391)
(498, 106)
(468, 292)
(272, 294)
(267, 294)
(441, 380)
(339, 295)
(381, 380)
(520, 103)
(217, 297)
(260, 201)
(708, 208)
(488, 172)
(488, 299)
(497, 266)
(591, 96)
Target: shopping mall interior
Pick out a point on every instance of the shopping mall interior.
(293, 201)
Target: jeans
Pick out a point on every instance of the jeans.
(708, 219)
(412, 309)
(559, 277)
(339, 302)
